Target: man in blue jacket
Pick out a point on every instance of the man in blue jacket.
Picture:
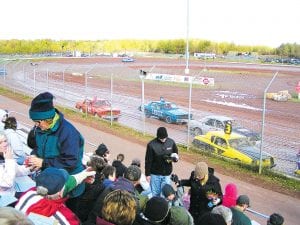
(58, 143)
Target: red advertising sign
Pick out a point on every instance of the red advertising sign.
(205, 81)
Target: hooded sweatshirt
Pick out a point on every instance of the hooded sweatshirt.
(230, 196)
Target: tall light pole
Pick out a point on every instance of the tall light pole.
(187, 70)
(142, 76)
(187, 54)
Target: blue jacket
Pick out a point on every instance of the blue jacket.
(61, 147)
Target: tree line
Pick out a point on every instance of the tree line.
(176, 46)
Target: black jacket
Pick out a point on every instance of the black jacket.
(120, 168)
(156, 154)
(199, 201)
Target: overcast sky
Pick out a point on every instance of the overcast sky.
(246, 22)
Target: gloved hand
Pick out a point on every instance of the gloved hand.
(174, 157)
(80, 177)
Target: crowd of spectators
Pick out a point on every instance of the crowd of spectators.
(101, 192)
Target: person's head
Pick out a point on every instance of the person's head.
(168, 192)
(275, 219)
(210, 219)
(102, 151)
(223, 211)
(162, 134)
(3, 114)
(133, 173)
(51, 181)
(230, 195)
(42, 110)
(243, 202)
(109, 172)
(119, 207)
(10, 123)
(156, 209)
(11, 216)
(120, 157)
(201, 171)
(97, 163)
(3, 142)
(179, 216)
(136, 162)
(231, 190)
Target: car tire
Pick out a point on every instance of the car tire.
(168, 119)
(147, 114)
(197, 131)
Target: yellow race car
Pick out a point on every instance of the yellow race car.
(234, 146)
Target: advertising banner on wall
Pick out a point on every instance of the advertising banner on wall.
(180, 78)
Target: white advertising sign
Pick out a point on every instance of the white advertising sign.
(180, 78)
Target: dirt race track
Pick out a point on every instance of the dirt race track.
(238, 92)
(263, 200)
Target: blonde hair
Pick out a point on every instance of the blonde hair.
(11, 216)
(119, 207)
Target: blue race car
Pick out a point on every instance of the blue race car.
(167, 111)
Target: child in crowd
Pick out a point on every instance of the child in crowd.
(103, 152)
(230, 195)
(144, 186)
(10, 127)
(109, 173)
(120, 167)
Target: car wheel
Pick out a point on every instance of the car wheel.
(147, 114)
(198, 131)
(168, 119)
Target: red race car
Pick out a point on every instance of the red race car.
(98, 107)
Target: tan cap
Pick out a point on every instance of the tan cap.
(201, 170)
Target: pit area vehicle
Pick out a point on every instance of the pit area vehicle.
(233, 146)
(101, 108)
(128, 59)
(166, 111)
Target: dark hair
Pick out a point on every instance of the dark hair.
(120, 157)
(108, 171)
(97, 163)
(10, 123)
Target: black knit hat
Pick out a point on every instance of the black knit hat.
(101, 150)
(42, 107)
(156, 209)
(275, 219)
(209, 218)
(161, 133)
(167, 190)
